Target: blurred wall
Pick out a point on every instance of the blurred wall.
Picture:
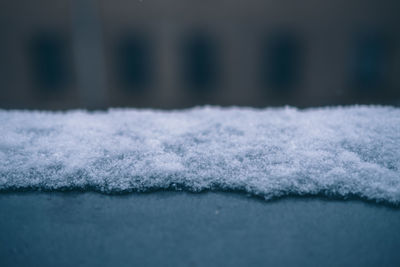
(180, 53)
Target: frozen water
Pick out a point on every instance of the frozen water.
(341, 151)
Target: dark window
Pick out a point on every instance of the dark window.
(134, 61)
(370, 61)
(200, 61)
(49, 53)
(280, 64)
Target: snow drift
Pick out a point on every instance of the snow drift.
(341, 151)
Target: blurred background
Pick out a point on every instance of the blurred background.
(97, 54)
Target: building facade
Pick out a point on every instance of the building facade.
(177, 53)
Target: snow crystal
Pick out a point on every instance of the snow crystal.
(341, 151)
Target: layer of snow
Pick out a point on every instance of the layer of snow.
(338, 151)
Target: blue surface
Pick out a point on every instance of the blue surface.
(184, 229)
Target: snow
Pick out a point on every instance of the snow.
(339, 151)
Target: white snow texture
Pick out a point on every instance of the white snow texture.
(336, 151)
